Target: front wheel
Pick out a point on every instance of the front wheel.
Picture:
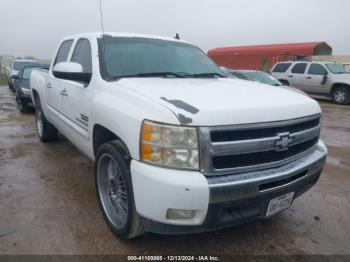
(341, 95)
(114, 190)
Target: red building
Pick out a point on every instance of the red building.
(263, 57)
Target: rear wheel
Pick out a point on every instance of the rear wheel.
(341, 95)
(114, 190)
(46, 131)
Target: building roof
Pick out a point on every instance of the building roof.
(297, 49)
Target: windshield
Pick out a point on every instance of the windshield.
(336, 68)
(18, 65)
(264, 78)
(143, 57)
(27, 72)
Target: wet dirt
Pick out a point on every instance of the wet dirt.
(48, 203)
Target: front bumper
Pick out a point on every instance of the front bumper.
(220, 201)
(24, 92)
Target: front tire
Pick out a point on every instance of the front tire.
(46, 131)
(341, 95)
(114, 190)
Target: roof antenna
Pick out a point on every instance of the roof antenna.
(101, 16)
(103, 42)
(177, 36)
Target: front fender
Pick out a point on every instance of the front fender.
(123, 112)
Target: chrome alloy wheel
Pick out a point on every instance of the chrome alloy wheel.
(39, 122)
(340, 96)
(112, 190)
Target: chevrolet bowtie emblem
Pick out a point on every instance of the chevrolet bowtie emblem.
(283, 142)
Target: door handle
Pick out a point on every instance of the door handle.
(49, 85)
(308, 77)
(290, 76)
(64, 92)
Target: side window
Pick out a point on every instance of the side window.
(299, 68)
(82, 55)
(317, 69)
(281, 68)
(63, 51)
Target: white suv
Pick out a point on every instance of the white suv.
(321, 78)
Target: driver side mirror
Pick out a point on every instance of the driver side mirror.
(71, 71)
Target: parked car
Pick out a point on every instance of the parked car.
(256, 76)
(15, 67)
(178, 147)
(321, 78)
(22, 87)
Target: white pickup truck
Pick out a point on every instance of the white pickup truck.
(178, 147)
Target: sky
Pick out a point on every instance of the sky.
(35, 27)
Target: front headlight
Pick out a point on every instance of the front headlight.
(25, 91)
(169, 146)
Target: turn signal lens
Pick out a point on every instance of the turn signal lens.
(180, 214)
(169, 146)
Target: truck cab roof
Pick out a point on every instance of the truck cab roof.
(122, 34)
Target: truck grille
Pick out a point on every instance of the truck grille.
(234, 135)
(244, 148)
(231, 161)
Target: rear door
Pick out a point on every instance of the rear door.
(297, 75)
(315, 79)
(55, 86)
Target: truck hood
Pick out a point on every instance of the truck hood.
(342, 78)
(222, 101)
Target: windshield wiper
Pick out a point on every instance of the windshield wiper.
(167, 74)
(208, 75)
(152, 74)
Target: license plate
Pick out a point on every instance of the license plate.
(279, 203)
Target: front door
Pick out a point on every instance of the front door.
(76, 104)
(316, 79)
